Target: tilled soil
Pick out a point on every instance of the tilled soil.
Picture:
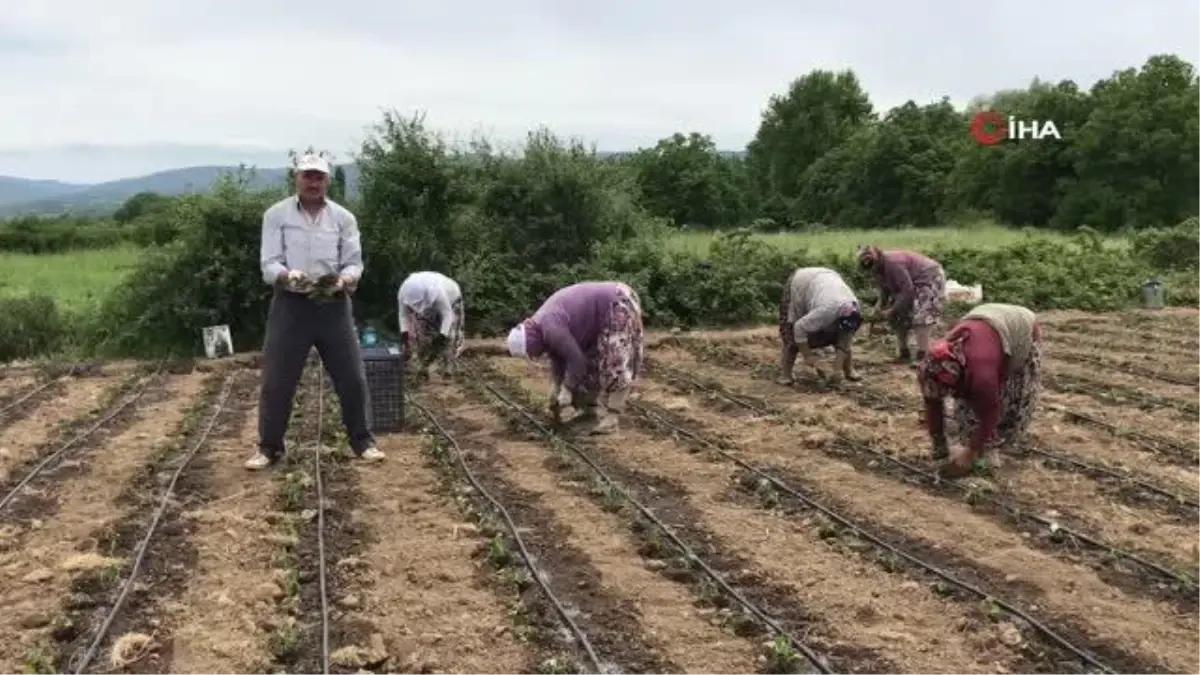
(1055, 493)
(423, 577)
(66, 545)
(1042, 477)
(221, 621)
(423, 584)
(1107, 614)
(636, 620)
(929, 636)
(22, 439)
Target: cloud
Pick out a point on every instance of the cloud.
(208, 79)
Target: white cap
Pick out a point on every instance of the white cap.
(312, 163)
(516, 340)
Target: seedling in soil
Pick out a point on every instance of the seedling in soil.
(613, 500)
(710, 593)
(768, 498)
(39, 660)
(285, 642)
(890, 562)
(991, 609)
(518, 613)
(783, 658)
(652, 545)
(517, 577)
(743, 625)
(498, 553)
(555, 666)
(825, 528)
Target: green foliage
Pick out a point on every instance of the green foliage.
(208, 276)
(1175, 249)
(32, 326)
(512, 227)
(685, 180)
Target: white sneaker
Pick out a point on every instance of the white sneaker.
(258, 461)
(372, 454)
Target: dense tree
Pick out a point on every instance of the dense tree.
(819, 112)
(684, 179)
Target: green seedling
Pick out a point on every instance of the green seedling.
(991, 609)
(285, 642)
(498, 552)
(39, 660)
(783, 657)
(555, 665)
(768, 498)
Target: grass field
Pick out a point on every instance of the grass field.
(77, 280)
(983, 235)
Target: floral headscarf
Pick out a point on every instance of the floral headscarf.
(942, 369)
(849, 317)
(869, 257)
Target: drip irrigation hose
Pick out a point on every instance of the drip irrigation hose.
(144, 545)
(934, 479)
(816, 661)
(863, 533)
(515, 534)
(96, 426)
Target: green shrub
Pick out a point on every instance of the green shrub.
(33, 326)
(1170, 249)
(208, 276)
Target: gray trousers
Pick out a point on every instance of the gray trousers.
(295, 324)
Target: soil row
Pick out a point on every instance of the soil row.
(1037, 481)
(56, 533)
(1002, 552)
(827, 579)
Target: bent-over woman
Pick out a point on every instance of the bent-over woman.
(592, 332)
(990, 363)
(817, 309)
(431, 320)
(912, 288)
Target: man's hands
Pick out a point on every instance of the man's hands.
(298, 281)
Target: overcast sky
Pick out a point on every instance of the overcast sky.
(101, 90)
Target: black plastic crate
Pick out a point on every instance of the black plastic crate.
(385, 385)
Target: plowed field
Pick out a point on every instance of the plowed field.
(732, 525)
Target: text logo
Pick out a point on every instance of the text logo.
(989, 127)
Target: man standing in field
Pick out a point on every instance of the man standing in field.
(310, 242)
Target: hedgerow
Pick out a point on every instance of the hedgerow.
(512, 228)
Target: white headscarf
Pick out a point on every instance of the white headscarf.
(516, 340)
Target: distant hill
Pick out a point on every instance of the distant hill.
(44, 197)
(20, 196)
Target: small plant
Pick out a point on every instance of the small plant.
(285, 641)
(498, 553)
(783, 658)
(991, 609)
(39, 660)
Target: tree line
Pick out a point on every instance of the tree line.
(1128, 159)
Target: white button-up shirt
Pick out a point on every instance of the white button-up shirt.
(294, 239)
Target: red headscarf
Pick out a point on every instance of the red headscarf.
(942, 368)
